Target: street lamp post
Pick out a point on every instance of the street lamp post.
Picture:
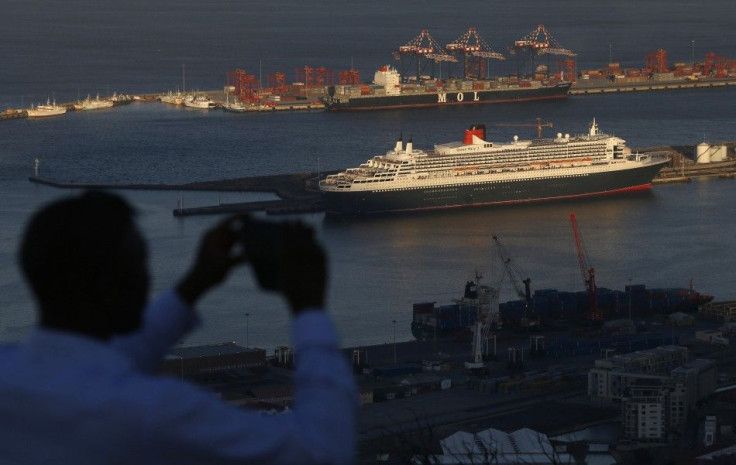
(394, 322)
(692, 51)
(247, 335)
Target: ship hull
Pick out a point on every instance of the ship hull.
(491, 193)
(445, 98)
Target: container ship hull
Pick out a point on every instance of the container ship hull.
(491, 192)
(445, 98)
(550, 309)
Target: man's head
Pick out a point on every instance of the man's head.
(86, 263)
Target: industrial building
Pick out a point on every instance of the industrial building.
(657, 388)
(707, 153)
(611, 376)
(650, 412)
(522, 446)
(719, 311)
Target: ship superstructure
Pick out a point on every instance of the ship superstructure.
(475, 171)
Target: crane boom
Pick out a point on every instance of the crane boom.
(588, 273)
(539, 125)
(529, 319)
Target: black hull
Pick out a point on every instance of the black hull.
(487, 193)
(449, 98)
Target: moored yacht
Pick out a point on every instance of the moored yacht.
(50, 109)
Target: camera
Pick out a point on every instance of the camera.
(266, 243)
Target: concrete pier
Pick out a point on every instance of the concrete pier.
(297, 192)
(597, 86)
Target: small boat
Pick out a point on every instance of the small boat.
(200, 101)
(96, 104)
(120, 99)
(145, 98)
(172, 98)
(235, 107)
(42, 111)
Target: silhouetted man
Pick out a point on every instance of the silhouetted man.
(81, 390)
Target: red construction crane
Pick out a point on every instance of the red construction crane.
(538, 42)
(474, 51)
(565, 70)
(277, 83)
(656, 61)
(247, 86)
(588, 274)
(714, 65)
(421, 48)
(539, 125)
(348, 77)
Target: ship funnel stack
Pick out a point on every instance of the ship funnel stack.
(399, 145)
(477, 130)
(409, 146)
(593, 128)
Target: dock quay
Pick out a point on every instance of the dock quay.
(297, 192)
(13, 114)
(310, 99)
(597, 87)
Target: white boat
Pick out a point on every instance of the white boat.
(200, 101)
(50, 109)
(172, 98)
(96, 104)
(237, 106)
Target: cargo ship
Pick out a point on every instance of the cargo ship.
(475, 172)
(387, 92)
(549, 308)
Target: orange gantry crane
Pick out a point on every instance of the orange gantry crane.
(422, 49)
(475, 52)
(537, 42)
(656, 61)
(539, 125)
(588, 274)
(247, 86)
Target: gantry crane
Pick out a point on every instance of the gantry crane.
(588, 274)
(247, 86)
(714, 65)
(475, 51)
(537, 42)
(484, 323)
(539, 125)
(656, 61)
(529, 320)
(421, 49)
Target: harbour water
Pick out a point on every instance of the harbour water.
(380, 266)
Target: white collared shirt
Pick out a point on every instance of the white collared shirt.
(69, 399)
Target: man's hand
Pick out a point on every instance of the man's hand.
(216, 257)
(303, 269)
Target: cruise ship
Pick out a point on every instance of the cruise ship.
(475, 172)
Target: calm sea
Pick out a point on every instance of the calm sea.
(380, 266)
